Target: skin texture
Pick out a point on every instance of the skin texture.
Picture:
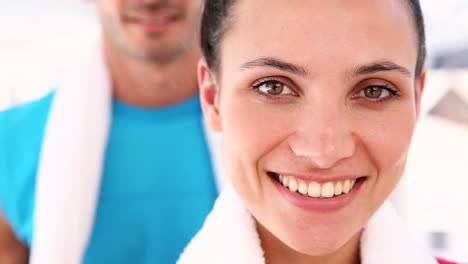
(12, 251)
(323, 124)
(151, 68)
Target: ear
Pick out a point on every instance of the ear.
(420, 84)
(209, 94)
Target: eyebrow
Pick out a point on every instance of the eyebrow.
(381, 66)
(271, 62)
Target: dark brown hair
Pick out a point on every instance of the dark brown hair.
(218, 13)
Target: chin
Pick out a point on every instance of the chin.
(319, 241)
(314, 247)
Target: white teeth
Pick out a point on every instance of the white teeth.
(314, 190)
(346, 186)
(302, 187)
(327, 190)
(293, 185)
(338, 188)
(286, 181)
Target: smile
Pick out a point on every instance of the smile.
(314, 189)
(156, 19)
(154, 22)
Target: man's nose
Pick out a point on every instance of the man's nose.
(323, 135)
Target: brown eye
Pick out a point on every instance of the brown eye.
(374, 92)
(273, 87)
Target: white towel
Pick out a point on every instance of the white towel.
(71, 161)
(229, 236)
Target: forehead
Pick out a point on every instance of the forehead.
(318, 32)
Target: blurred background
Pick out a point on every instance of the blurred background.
(39, 37)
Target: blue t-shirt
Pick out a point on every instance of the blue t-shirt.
(157, 186)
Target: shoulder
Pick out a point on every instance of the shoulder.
(27, 112)
(21, 132)
(443, 261)
(23, 124)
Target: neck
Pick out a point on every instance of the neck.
(276, 252)
(152, 84)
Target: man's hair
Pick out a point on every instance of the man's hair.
(217, 16)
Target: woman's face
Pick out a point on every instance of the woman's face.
(316, 101)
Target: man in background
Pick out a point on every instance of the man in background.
(156, 178)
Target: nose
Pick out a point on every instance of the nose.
(323, 135)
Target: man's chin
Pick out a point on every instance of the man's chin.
(154, 53)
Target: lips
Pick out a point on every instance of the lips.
(153, 20)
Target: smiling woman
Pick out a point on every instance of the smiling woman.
(317, 103)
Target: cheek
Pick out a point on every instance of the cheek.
(110, 18)
(251, 130)
(110, 8)
(386, 141)
(194, 9)
(395, 139)
(251, 127)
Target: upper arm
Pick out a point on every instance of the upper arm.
(21, 132)
(12, 251)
